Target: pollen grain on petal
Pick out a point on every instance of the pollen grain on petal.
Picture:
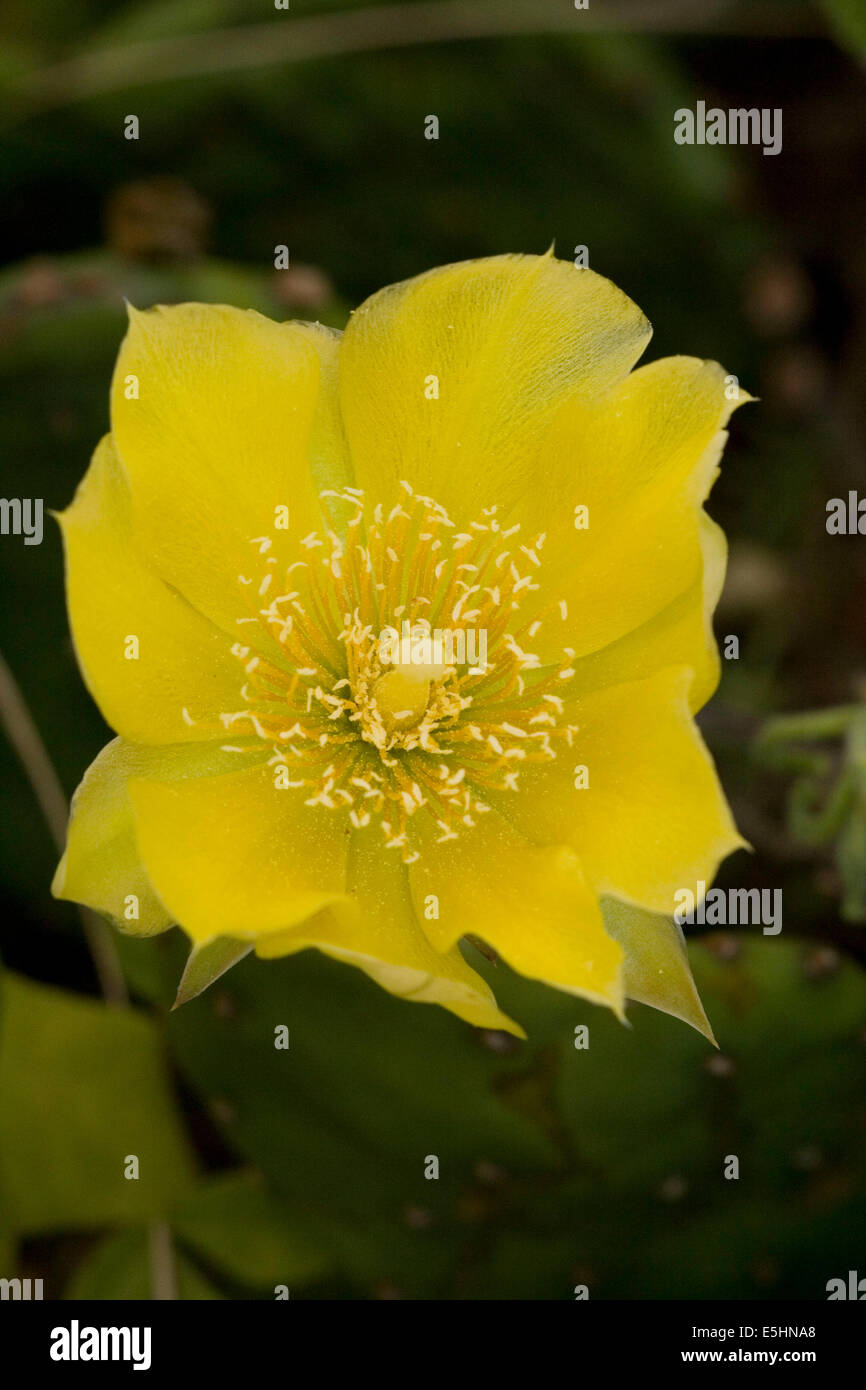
(394, 672)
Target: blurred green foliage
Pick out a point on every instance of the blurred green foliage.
(557, 1164)
(83, 1087)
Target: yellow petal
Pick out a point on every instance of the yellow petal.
(101, 867)
(231, 415)
(449, 380)
(235, 855)
(380, 934)
(653, 818)
(146, 655)
(641, 461)
(680, 635)
(531, 904)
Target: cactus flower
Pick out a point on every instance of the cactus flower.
(276, 505)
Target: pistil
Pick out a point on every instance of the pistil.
(364, 728)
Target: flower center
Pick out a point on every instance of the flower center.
(396, 674)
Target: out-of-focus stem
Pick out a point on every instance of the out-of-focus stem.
(811, 724)
(295, 39)
(163, 1276)
(26, 740)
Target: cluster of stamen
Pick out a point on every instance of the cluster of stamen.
(350, 730)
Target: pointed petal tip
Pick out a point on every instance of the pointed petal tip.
(696, 1019)
(700, 1023)
(617, 1008)
(58, 882)
(207, 961)
(504, 1024)
(489, 1018)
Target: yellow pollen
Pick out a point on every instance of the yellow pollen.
(365, 672)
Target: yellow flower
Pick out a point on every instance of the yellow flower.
(274, 502)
